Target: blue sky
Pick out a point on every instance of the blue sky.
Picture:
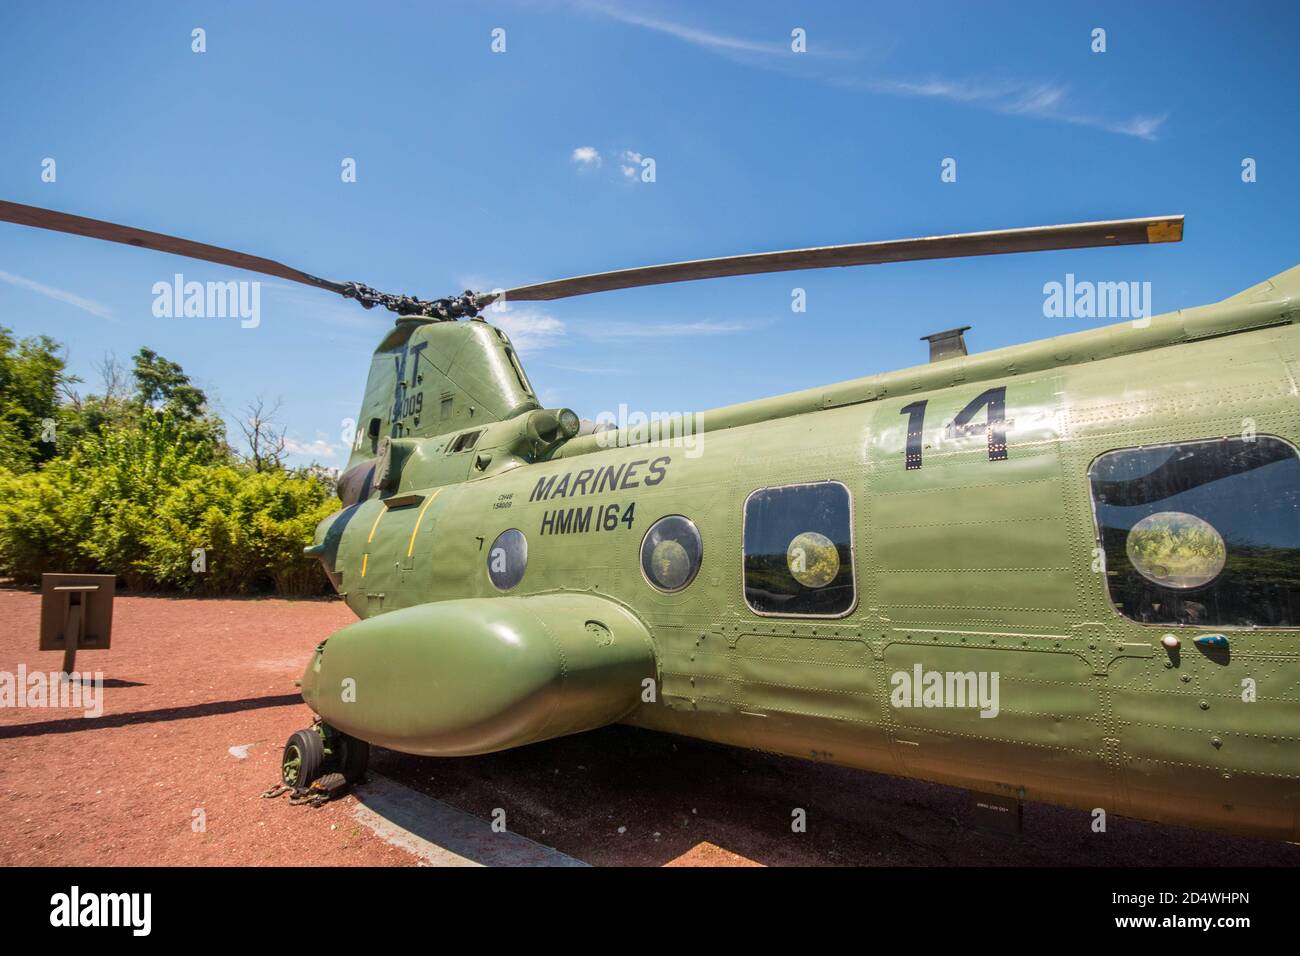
(486, 169)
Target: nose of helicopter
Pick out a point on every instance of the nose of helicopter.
(477, 675)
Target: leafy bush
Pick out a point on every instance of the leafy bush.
(135, 481)
(35, 535)
(137, 503)
(252, 529)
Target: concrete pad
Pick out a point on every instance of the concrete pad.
(441, 835)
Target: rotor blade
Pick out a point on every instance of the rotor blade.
(1079, 235)
(97, 229)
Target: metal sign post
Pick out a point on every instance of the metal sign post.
(76, 612)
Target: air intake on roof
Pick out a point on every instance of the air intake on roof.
(945, 345)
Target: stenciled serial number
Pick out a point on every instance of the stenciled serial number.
(609, 517)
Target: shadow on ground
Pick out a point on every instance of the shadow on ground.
(626, 796)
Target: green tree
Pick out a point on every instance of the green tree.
(163, 385)
(33, 377)
(164, 390)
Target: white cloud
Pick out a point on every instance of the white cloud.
(293, 302)
(1143, 127)
(529, 329)
(1023, 98)
(551, 397)
(635, 330)
(59, 295)
(587, 157)
(718, 42)
(1041, 100)
(631, 163)
(320, 448)
(588, 370)
(476, 282)
(629, 160)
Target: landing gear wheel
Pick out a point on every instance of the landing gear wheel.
(303, 759)
(354, 757)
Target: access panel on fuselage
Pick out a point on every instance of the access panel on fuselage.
(970, 566)
(968, 522)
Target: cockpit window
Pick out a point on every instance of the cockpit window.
(519, 370)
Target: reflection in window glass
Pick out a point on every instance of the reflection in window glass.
(812, 559)
(1202, 533)
(799, 550)
(671, 553)
(1176, 550)
(508, 559)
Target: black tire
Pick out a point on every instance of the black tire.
(354, 757)
(303, 759)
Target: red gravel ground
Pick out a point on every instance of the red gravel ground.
(185, 681)
(189, 679)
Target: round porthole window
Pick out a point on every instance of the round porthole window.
(508, 559)
(813, 559)
(1176, 550)
(671, 553)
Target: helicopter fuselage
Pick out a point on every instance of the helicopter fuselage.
(992, 572)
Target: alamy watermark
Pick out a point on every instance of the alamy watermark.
(84, 692)
(652, 429)
(130, 910)
(969, 689)
(1084, 299)
(209, 300)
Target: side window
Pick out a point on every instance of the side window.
(463, 442)
(519, 371)
(507, 559)
(799, 551)
(671, 552)
(1201, 533)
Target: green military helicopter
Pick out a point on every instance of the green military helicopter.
(1065, 571)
